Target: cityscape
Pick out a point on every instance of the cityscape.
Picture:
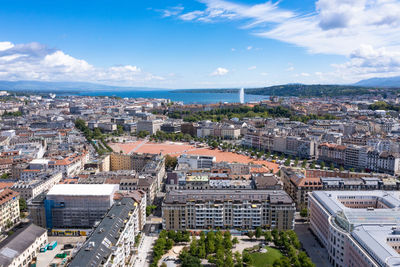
(186, 142)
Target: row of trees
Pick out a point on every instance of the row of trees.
(102, 146)
(245, 112)
(12, 114)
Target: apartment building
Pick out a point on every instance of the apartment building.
(112, 242)
(386, 162)
(71, 165)
(146, 164)
(196, 161)
(244, 209)
(271, 141)
(9, 208)
(29, 189)
(134, 161)
(358, 228)
(21, 248)
(151, 126)
(298, 183)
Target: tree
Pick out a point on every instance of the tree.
(170, 162)
(193, 250)
(235, 241)
(258, 232)
(163, 264)
(238, 259)
(228, 259)
(287, 162)
(267, 236)
(304, 213)
(227, 240)
(341, 168)
(169, 244)
(202, 251)
(210, 243)
(250, 234)
(4, 175)
(332, 167)
(22, 204)
(312, 166)
(189, 260)
(322, 164)
(246, 257)
(304, 164)
(150, 209)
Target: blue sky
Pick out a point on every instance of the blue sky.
(199, 44)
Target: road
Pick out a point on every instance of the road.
(317, 253)
(144, 251)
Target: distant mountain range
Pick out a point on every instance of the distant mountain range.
(369, 86)
(64, 86)
(380, 82)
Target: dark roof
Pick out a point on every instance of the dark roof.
(18, 242)
(98, 246)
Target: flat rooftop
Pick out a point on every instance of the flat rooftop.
(83, 189)
(184, 196)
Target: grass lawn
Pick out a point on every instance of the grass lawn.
(265, 259)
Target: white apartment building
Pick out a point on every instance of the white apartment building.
(19, 249)
(196, 161)
(9, 208)
(31, 189)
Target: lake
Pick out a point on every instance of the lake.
(187, 98)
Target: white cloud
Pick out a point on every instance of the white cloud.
(291, 68)
(35, 61)
(173, 11)
(252, 67)
(220, 10)
(5, 46)
(305, 74)
(336, 27)
(249, 47)
(191, 15)
(219, 72)
(233, 49)
(264, 73)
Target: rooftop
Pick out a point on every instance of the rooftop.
(83, 189)
(18, 242)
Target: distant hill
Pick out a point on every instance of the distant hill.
(380, 82)
(314, 90)
(55, 87)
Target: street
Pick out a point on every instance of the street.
(316, 252)
(144, 251)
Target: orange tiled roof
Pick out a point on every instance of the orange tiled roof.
(6, 195)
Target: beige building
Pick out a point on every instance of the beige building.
(129, 162)
(105, 163)
(21, 248)
(9, 209)
(238, 209)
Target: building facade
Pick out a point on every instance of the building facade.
(243, 209)
(9, 209)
